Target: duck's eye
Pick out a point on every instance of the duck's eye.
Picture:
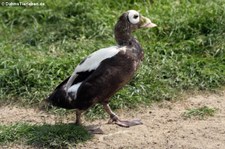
(133, 17)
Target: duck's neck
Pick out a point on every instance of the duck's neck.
(122, 35)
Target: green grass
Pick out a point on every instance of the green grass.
(42, 136)
(40, 47)
(199, 113)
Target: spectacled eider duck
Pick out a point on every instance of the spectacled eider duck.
(104, 72)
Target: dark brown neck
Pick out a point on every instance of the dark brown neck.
(122, 37)
(122, 33)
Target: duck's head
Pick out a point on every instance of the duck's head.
(130, 21)
(136, 20)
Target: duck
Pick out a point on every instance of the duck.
(104, 72)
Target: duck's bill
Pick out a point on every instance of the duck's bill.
(146, 23)
(149, 25)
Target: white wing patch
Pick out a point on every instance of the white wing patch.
(93, 61)
(72, 91)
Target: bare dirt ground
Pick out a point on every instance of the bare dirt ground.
(164, 126)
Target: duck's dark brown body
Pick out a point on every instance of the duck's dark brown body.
(99, 85)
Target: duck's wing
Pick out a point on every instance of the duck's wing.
(90, 64)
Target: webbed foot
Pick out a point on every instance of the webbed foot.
(125, 123)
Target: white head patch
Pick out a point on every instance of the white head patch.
(133, 16)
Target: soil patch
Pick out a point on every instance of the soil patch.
(164, 126)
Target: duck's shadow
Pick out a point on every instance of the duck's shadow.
(55, 136)
(94, 129)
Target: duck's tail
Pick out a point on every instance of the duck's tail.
(59, 97)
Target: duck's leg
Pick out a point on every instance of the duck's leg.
(93, 129)
(114, 118)
(78, 117)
